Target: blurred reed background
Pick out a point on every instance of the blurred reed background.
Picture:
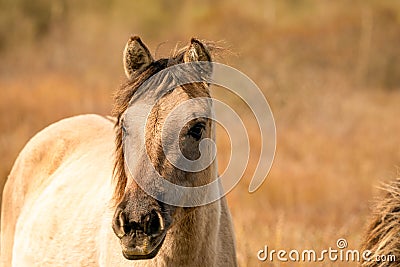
(329, 69)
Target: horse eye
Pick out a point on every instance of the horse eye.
(196, 131)
(124, 132)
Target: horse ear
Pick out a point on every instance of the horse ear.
(196, 52)
(136, 57)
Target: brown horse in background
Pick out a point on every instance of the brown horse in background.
(382, 238)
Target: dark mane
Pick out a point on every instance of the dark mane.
(122, 99)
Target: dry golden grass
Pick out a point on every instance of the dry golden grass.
(330, 72)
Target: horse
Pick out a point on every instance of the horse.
(382, 235)
(73, 199)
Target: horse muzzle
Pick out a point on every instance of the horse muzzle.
(140, 239)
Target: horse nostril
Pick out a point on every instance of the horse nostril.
(153, 223)
(119, 223)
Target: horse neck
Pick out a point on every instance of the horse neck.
(195, 235)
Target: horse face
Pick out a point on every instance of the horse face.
(173, 135)
(166, 144)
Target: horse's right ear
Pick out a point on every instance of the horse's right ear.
(136, 57)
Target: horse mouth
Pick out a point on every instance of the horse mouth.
(145, 251)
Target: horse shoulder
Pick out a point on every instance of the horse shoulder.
(38, 161)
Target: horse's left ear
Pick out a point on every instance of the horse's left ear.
(136, 57)
(196, 51)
